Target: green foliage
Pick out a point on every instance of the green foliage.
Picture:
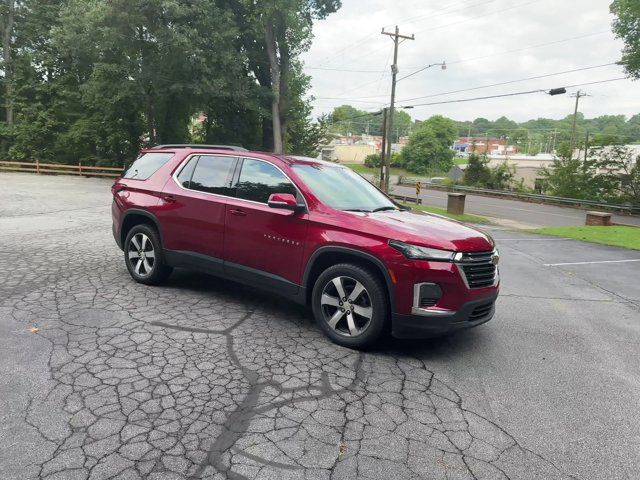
(94, 81)
(623, 184)
(373, 160)
(573, 178)
(609, 174)
(618, 236)
(564, 150)
(429, 147)
(542, 134)
(346, 119)
(479, 174)
(627, 27)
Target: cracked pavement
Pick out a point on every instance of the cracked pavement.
(202, 378)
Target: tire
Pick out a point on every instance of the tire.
(143, 256)
(359, 321)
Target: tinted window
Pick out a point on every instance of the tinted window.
(341, 187)
(213, 174)
(146, 165)
(258, 180)
(184, 177)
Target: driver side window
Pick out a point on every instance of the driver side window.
(258, 180)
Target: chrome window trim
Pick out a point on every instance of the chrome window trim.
(239, 158)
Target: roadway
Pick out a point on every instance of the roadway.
(515, 212)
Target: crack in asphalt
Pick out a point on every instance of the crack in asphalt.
(204, 379)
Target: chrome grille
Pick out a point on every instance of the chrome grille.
(478, 269)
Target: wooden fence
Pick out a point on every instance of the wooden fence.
(60, 168)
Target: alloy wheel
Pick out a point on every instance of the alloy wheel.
(346, 306)
(141, 254)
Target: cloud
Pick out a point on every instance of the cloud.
(477, 39)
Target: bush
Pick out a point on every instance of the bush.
(373, 160)
(480, 174)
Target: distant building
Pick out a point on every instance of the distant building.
(483, 145)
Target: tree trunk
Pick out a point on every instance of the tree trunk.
(270, 42)
(6, 57)
(151, 118)
(285, 65)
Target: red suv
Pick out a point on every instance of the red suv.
(313, 231)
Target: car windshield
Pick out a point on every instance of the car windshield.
(343, 189)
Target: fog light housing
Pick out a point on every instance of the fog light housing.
(426, 295)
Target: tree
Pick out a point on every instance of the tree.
(477, 172)
(622, 173)
(429, 147)
(573, 178)
(626, 26)
(286, 29)
(8, 9)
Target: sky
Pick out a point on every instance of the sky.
(483, 42)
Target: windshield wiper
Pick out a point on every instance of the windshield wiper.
(356, 210)
(382, 209)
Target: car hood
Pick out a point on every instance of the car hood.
(431, 230)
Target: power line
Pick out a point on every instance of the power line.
(555, 42)
(511, 94)
(505, 52)
(371, 51)
(512, 81)
(480, 16)
(447, 11)
(344, 70)
(366, 37)
(479, 87)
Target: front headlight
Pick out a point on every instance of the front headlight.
(422, 253)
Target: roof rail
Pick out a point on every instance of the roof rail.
(208, 147)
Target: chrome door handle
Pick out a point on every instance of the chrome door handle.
(237, 212)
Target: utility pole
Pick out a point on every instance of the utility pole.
(394, 73)
(586, 147)
(383, 149)
(578, 96)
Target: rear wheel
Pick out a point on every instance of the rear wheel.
(350, 305)
(143, 256)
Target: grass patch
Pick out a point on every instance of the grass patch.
(617, 236)
(467, 217)
(460, 161)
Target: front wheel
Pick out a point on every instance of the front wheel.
(143, 256)
(350, 304)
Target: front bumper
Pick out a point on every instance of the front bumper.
(437, 323)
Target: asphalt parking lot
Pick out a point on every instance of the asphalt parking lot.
(201, 378)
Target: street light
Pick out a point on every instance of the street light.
(443, 66)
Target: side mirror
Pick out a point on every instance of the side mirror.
(284, 201)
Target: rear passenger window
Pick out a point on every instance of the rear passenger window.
(258, 180)
(146, 165)
(213, 174)
(184, 177)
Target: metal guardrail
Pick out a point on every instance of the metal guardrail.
(60, 168)
(631, 209)
(406, 199)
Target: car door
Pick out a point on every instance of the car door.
(259, 241)
(194, 218)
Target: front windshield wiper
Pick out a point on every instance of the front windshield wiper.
(356, 210)
(382, 209)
